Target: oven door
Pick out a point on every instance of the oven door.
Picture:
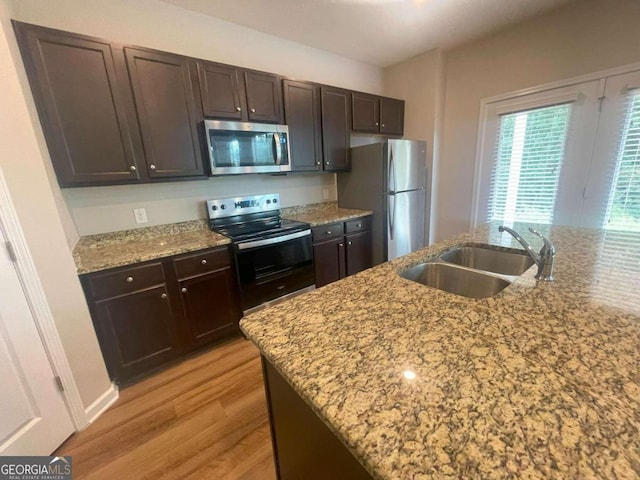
(236, 147)
(273, 267)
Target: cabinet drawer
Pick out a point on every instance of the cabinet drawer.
(201, 262)
(325, 232)
(122, 281)
(358, 225)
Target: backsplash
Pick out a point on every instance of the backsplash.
(108, 209)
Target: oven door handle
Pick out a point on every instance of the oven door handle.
(272, 241)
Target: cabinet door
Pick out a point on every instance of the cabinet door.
(167, 111)
(366, 112)
(391, 116)
(336, 128)
(264, 97)
(222, 91)
(211, 306)
(81, 104)
(358, 252)
(329, 261)
(302, 112)
(136, 332)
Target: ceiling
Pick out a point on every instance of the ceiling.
(379, 32)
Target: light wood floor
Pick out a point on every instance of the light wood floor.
(205, 418)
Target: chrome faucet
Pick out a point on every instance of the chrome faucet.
(544, 259)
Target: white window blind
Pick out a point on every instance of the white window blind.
(623, 211)
(528, 157)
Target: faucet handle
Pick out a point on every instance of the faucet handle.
(548, 249)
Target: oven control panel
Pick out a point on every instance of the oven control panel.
(227, 207)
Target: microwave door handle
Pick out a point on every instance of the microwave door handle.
(276, 142)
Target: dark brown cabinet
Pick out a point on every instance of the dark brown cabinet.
(232, 93)
(302, 114)
(79, 85)
(341, 249)
(373, 114)
(336, 128)
(163, 91)
(151, 313)
(391, 116)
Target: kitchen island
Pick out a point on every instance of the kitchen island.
(540, 381)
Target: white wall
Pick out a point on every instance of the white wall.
(22, 164)
(580, 38)
(156, 24)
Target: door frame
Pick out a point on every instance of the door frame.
(485, 106)
(39, 307)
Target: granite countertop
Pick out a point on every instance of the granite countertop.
(540, 381)
(108, 250)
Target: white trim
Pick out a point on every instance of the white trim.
(484, 112)
(519, 104)
(40, 308)
(102, 403)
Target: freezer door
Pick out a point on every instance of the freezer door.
(405, 218)
(406, 164)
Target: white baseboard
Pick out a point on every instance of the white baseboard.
(102, 403)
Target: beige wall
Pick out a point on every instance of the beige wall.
(420, 82)
(156, 24)
(581, 38)
(24, 170)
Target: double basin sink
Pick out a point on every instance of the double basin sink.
(471, 271)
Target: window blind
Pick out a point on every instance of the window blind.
(623, 211)
(529, 152)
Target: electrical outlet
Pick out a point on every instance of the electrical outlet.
(325, 194)
(140, 215)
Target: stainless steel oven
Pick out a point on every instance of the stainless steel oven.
(273, 256)
(241, 147)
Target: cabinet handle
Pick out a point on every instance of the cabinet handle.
(129, 279)
(238, 109)
(358, 225)
(349, 243)
(253, 110)
(203, 262)
(377, 124)
(163, 296)
(328, 232)
(327, 163)
(341, 245)
(152, 166)
(183, 289)
(317, 163)
(382, 125)
(133, 168)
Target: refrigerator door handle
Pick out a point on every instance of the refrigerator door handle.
(391, 214)
(392, 171)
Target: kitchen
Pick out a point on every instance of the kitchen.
(448, 115)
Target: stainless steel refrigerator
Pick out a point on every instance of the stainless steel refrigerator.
(389, 178)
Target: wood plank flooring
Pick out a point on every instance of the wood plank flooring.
(205, 418)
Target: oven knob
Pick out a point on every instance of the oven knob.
(275, 200)
(214, 208)
(268, 202)
(223, 206)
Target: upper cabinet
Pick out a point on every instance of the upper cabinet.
(302, 114)
(373, 114)
(79, 85)
(231, 93)
(336, 127)
(169, 117)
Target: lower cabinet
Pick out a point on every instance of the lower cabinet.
(341, 249)
(149, 314)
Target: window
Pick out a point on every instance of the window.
(568, 156)
(623, 212)
(529, 155)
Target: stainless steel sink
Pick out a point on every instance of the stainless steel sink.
(453, 279)
(489, 260)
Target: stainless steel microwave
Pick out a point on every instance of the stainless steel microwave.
(241, 147)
